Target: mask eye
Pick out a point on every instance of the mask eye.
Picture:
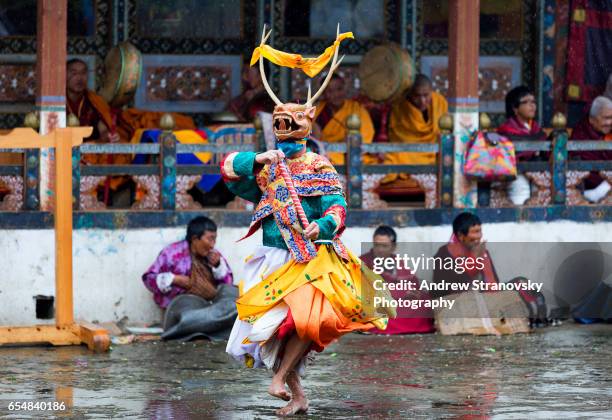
(299, 115)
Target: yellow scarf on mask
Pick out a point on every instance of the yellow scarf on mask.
(310, 66)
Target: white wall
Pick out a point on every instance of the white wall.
(108, 264)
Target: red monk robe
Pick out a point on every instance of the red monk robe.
(456, 250)
(408, 321)
(585, 131)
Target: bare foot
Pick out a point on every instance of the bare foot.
(298, 405)
(277, 389)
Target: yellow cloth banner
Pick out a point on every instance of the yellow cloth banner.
(183, 137)
(192, 137)
(310, 66)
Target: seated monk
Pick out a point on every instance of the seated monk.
(331, 115)
(408, 320)
(253, 98)
(596, 126)
(465, 242)
(192, 266)
(92, 110)
(109, 126)
(414, 119)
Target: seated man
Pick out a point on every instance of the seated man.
(414, 119)
(520, 124)
(472, 261)
(521, 109)
(408, 321)
(92, 110)
(596, 126)
(253, 97)
(466, 241)
(331, 115)
(192, 266)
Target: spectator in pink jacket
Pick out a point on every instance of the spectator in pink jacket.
(192, 265)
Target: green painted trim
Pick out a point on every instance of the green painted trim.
(462, 109)
(51, 108)
(123, 219)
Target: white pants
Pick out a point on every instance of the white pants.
(261, 263)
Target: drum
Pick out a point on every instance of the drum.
(385, 72)
(122, 66)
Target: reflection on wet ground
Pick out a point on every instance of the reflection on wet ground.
(562, 372)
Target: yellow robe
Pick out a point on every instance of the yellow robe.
(132, 120)
(407, 125)
(335, 130)
(104, 112)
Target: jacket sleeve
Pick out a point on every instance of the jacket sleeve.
(334, 215)
(150, 277)
(333, 207)
(238, 171)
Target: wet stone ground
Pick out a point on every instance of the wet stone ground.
(558, 372)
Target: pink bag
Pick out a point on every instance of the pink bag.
(490, 157)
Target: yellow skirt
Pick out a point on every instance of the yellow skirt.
(327, 297)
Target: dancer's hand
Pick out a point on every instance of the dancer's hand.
(312, 231)
(270, 157)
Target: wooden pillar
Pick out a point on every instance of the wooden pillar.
(558, 161)
(63, 228)
(353, 162)
(463, 37)
(168, 170)
(51, 83)
(445, 162)
(31, 175)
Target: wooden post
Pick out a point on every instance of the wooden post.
(484, 188)
(31, 179)
(168, 170)
(76, 178)
(65, 331)
(445, 162)
(167, 164)
(558, 160)
(51, 82)
(63, 227)
(463, 36)
(354, 178)
(73, 121)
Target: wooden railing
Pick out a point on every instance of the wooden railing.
(167, 175)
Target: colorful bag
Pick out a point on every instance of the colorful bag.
(490, 157)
